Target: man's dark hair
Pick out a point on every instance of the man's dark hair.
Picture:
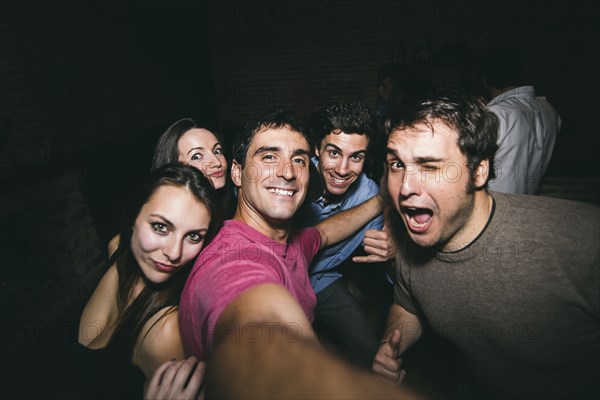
(477, 127)
(351, 118)
(273, 120)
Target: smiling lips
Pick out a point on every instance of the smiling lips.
(282, 192)
(339, 182)
(218, 174)
(418, 219)
(164, 267)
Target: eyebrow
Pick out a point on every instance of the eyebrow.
(341, 151)
(266, 149)
(195, 148)
(166, 220)
(418, 160)
(423, 160)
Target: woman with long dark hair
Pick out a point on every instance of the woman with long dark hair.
(129, 327)
(185, 141)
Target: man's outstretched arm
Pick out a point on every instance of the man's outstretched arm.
(282, 362)
(343, 224)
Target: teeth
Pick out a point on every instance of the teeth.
(336, 180)
(281, 192)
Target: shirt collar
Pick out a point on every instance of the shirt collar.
(521, 91)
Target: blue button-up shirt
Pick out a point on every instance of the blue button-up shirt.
(321, 274)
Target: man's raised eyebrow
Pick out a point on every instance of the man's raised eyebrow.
(391, 151)
(301, 152)
(334, 146)
(423, 160)
(265, 149)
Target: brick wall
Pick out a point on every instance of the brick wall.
(306, 54)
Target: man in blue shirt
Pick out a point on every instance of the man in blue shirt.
(342, 134)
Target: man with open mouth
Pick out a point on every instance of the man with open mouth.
(511, 280)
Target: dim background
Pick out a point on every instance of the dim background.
(88, 87)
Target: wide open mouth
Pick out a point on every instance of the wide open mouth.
(418, 218)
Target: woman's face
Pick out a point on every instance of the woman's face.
(201, 149)
(169, 232)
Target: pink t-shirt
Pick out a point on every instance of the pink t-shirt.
(240, 258)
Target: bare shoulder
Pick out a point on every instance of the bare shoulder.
(100, 312)
(113, 245)
(159, 341)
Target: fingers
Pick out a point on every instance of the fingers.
(377, 234)
(394, 340)
(378, 243)
(388, 367)
(169, 380)
(368, 259)
(195, 386)
(183, 372)
(157, 379)
(387, 363)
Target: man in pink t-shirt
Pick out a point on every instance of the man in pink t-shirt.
(252, 280)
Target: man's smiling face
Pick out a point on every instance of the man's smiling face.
(274, 179)
(341, 161)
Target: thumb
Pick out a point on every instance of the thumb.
(394, 342)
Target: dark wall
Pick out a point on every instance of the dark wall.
(306, 54)
(88, 87)
(86, 90)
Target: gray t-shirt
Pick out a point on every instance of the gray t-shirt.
(521, 302)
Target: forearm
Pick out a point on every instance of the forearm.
(276, 367)
(408, 324)
(342, 225)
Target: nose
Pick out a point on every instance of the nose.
(214, 162)
(172, 249)
(342, 167)
(287, 171)
(410, 181)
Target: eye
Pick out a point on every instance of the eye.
(218, 150)
(358, 157)
(299, 161)
(429, 167)
(196, 156)
(195, 237)
(395, 166)
(268, 157)
(333, 153)
(159, 227)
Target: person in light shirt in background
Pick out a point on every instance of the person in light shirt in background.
(528, 123)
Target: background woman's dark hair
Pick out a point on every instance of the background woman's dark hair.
(155, 297)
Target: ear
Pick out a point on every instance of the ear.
(317, 152)
(236, 173)
(481, 173)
